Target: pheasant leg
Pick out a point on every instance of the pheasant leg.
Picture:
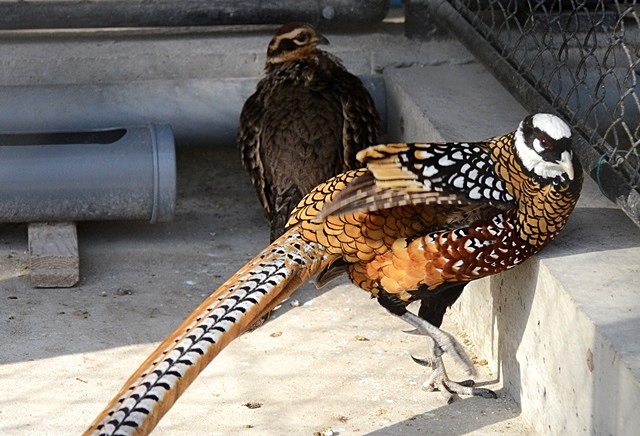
(445, 343)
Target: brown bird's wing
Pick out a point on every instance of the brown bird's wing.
(249, 144)
(361, 120)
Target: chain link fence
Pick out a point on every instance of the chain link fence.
(579, 58)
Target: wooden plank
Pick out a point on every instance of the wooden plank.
(53, 255)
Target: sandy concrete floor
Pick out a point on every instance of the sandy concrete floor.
(334, 363)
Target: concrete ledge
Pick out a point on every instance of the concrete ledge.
(562, 329)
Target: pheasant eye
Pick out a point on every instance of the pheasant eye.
(302, 38)
(541, 143)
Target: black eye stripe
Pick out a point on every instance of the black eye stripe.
(287, 45)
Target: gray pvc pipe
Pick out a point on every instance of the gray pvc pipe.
(121, 173)
(202, 112)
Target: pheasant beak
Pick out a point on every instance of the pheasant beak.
(566, 163)
(322, 40)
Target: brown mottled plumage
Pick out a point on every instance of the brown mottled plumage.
(304, 124)
(417, 224)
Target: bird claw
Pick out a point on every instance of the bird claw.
(439, 380)
(484, 393)
(450, 388)
(423, 362)
(413, 332)
(429, 362)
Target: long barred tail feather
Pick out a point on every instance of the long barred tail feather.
(229, 311)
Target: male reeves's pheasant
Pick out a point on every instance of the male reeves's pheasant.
(304, 124)
(418, 223)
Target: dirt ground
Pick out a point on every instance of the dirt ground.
(329, 361)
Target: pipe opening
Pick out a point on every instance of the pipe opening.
(60, 138)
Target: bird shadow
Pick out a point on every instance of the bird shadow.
(463, 416)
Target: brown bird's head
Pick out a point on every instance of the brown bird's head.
(293, 41)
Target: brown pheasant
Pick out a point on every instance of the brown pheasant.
(304, 124)
(418, 223)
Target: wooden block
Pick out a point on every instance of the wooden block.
(53, 255)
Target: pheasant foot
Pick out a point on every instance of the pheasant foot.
(439, 380)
